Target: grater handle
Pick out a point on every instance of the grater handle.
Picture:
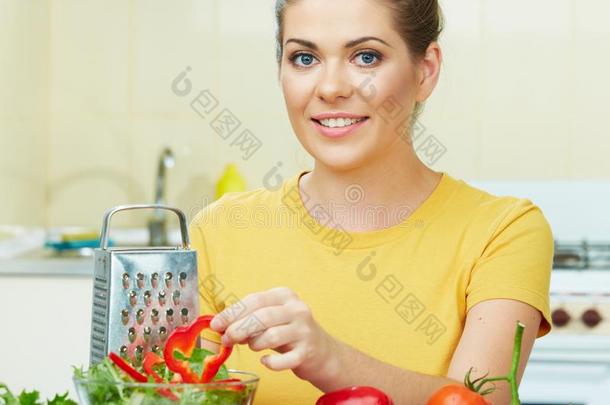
(106, 223)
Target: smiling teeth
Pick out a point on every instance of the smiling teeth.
(340, 122)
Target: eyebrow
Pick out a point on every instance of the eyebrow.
(348, 45)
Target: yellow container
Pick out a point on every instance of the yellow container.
(231, 180)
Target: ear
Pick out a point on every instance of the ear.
(429, 69)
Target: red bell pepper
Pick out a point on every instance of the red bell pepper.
(150, 360)
(236, 387)
(355, 396)
(130, 371)
(183, 339)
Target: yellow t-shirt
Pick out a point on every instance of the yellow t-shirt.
(398, 294)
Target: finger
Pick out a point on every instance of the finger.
(257, 322)
(273, 338)
(284, 361)
(249, 304)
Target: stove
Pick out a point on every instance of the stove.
(571, 365)
(582, 255)
(580, 288)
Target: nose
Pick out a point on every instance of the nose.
(334, 82)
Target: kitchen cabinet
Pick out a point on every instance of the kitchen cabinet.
(45, 326)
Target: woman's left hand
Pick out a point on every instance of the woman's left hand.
(278, 319)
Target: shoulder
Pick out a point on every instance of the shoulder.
(491, 215)
(483, 222)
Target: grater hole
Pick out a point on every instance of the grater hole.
(123, 351)
(154, 280)
(162, 297)
(168, 279)
(133, 298)
(125, 279)
(162, 333)
(140, 316)
(169, 314)
(182, 278)
(154, 315)
(147, 332)
(147, 297)
(131, 334)
(176, 297)
(139, 354)
(140, 280)
(125, 316)
(155, 349)
(184, 312)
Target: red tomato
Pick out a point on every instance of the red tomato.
(456, 395)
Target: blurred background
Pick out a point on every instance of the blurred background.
(110, 102)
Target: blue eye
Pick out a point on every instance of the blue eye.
(369, 57)
(306, 58)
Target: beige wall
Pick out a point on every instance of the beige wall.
(87, 105)
(24, 110)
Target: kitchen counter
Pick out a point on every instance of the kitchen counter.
(45, 262)
(47, 267)
(45, 306)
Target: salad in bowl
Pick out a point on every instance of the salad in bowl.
(182, 374)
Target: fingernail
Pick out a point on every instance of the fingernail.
(224, 340)
(264, 360)
(215, 324)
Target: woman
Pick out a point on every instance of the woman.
(370, 269)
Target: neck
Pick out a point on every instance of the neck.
(377, 195)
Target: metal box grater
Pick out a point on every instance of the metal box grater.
(141, 294)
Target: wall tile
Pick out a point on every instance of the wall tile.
(167, 40)
(22, 171)
(591, 16)
(525, 78)
(246, 19)
(90, 161)
(524, 150)
(24, 46)
(90, 56)
(539, 17)
(462, 17)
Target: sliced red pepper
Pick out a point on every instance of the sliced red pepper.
(150, 360)
(130, 371)
(355, 395)
(183, 339)
(233, 387)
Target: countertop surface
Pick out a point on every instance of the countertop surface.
(32, 259)
(45, 263)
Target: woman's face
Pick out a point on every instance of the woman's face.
(321, 72)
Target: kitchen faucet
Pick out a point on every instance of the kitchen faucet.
(157, 225)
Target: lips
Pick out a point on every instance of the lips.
(320, 121)
(338, 132)
(336, 114)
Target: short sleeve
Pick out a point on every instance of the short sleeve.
(207, 279)
(516, 263)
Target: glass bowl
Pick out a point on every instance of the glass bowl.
(91, 392)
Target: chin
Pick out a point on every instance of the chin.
(341, 155)
(339, 158)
